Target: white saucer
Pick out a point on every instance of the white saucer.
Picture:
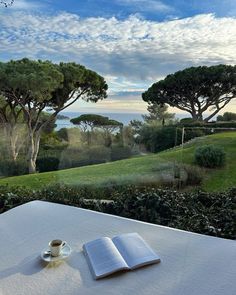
(66, 251)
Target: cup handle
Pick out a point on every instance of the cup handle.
(63, 244)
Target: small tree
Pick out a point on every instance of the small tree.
(88, 122)
(158, 114)
(196, 90)
(109, 126)
(91, 121)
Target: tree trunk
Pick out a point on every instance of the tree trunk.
(12, 139)
(34, 141)
(197, 116)
(121, 135)
(13, 149)
(31, 154)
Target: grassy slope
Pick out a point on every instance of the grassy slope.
(141, 168)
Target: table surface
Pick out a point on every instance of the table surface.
(191, 264)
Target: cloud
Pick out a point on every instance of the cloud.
(146, 5)
(131, 53)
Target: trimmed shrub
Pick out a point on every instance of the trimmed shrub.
(98, 154)
(120, 152)
(210, 156)
(47, 164)
(11, 168)
(157, 139)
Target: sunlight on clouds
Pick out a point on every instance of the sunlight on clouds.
(133, 48)
(135, 105)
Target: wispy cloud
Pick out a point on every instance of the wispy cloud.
(146, 5)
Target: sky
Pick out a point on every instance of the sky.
(132, 43)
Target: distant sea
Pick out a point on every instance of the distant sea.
(124, 118)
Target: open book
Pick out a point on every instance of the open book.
(124, 252)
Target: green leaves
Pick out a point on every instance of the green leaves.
(206, 213)
(196, 90)
(210, 156)
(31, 82)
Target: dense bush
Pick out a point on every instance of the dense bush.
(157, 138)
(209, 156)
(98, 154)
(213, 214)
(202, 124)
(227, 116)
(120, 152)
(11, 168)
(47, 164)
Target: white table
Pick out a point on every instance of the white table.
(191, 264)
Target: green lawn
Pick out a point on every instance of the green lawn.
(142, 169)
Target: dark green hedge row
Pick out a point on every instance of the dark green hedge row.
(212, 214)
(157, 139)
(218, 124)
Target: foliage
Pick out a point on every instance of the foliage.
(210, 156)
(47, 164)
(196, 90)
(211, 214)
(136, 126)
(189, 120)
(89, 120)
(157, 139)
(120, 152)
(209, 125)
(62, 134)
(12, 168)
(158, 114)
(227, 116)
(93, 120)
(32, 86)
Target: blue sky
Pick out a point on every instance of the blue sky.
(132, 43)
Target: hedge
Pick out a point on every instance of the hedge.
(200, 212)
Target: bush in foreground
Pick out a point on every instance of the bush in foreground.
(206, 213)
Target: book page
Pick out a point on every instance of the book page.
(135, 251)
(103, 257)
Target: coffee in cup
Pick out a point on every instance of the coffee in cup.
(56, 247)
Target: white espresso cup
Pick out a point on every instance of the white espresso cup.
(56, 247)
